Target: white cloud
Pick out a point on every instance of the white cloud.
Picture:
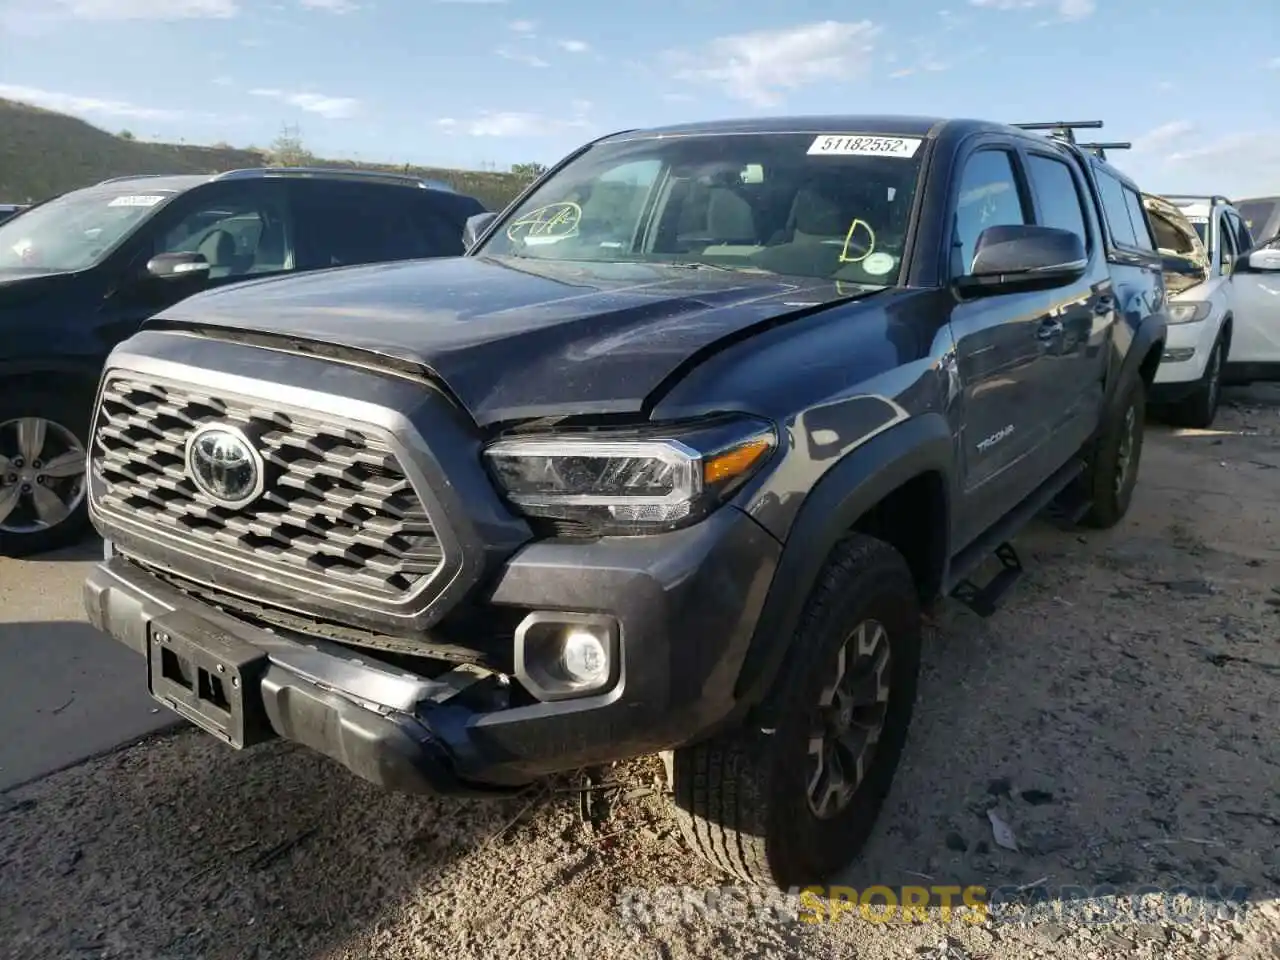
(1164, 136)
(762, 66)
(223, 82)
(574, 46)
(466, 2)
(147, 9)
(1067, 10)
(1273, 63)
(331, 6)
(677, 98)
(522, 26)
(94, 106)
(528, 59)
(512, 123)
(331, 108)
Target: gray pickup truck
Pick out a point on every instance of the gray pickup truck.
(672, 461)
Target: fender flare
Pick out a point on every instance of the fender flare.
(91, 370)
(1149, 332)
(860, 480)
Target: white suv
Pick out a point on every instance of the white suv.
(1224, 320)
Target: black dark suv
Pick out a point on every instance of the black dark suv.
(672, 461)
(80, 273)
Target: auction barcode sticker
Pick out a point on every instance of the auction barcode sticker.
(843, 145)
(135, 201)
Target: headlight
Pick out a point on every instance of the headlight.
(630, 482)
(1188, 311)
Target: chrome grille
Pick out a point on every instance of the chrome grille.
(337, 505)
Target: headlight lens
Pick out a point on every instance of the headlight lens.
(1188, 311)
(629, 483)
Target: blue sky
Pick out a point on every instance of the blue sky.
(479, 83)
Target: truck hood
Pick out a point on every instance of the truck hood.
(1185, 260)
(517, 338)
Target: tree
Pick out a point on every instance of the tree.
(126, 135)
(530, 171)
(288, 151)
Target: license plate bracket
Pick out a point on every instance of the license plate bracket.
(208, 677)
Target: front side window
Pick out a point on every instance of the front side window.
(1058, 195)
(77, 230)
(988, 197)
(240, 233)
(806, 205)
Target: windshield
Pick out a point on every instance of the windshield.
(828, 206)
(1257, 215)
(73, 231)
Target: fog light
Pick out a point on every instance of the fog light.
(1178, 354)
(562, 655)
(585, 658)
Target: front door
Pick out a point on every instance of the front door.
(1003, 346)
(242, 227)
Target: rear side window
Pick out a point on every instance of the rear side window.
(341, 224)
(1138, 219)
(989, 197)
(1057, 195)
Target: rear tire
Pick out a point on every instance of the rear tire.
(1201, 407)
(1114, 459)
(43, 436)
(756, 804)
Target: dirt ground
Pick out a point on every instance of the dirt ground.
(1119, 715)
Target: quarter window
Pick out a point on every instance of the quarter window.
(989, 197)
(1116, 209)
(1058, 195)
(1138, 218)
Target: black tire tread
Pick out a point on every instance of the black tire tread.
(722, 785)
(1105, 510)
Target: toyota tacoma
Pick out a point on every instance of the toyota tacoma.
(673, 460)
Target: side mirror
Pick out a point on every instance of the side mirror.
(476, 224)
(1263, 260)
(169, 266)
(1024, 256)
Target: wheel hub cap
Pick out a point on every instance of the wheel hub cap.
(41, 475)
(849, 719)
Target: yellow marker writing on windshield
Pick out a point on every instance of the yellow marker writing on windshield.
(552, 220)
(848, 239)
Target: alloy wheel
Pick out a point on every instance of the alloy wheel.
(849, 719)
(42, 473)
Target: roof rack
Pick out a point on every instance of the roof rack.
(1062, 129)
(1211, 197)
(1099, 150)
(337, 173)
(133, 176)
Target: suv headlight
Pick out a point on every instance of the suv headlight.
(630, 482)
(1188, 311)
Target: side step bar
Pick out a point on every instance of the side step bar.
(984, 600)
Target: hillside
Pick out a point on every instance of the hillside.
(43, 153)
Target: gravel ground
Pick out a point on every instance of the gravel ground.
(1118, 715)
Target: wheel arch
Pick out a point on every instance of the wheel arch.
(905, 472)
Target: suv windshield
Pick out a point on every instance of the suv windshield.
(74, 231)
(1257, 215)
(828, 206)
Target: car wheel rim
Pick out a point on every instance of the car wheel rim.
(1124, 456)
(41, 475)
(849, 719)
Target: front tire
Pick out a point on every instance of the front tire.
(1114, 459)
(793, 806)
(42, 469)
(1201, 407)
